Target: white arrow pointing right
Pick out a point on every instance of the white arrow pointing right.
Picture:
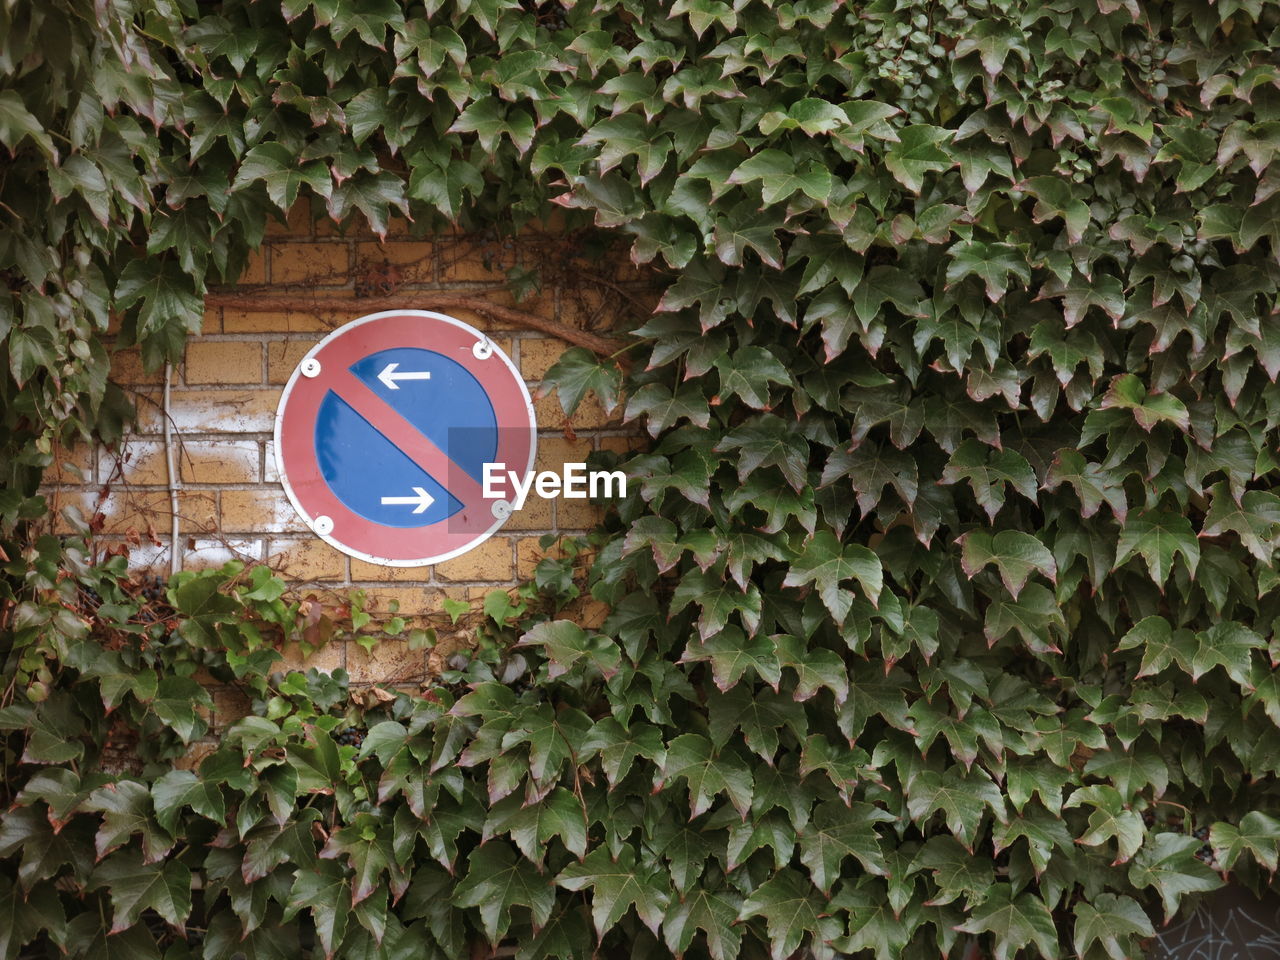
(419, 501)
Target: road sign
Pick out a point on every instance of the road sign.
(385, 427)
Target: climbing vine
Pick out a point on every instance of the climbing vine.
(943, 604)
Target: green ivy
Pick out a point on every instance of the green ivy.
(943, 606)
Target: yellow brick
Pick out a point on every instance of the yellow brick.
(555, 452)
(221, 461)
(577, 514)
(623, 445)
(491, 561)
(411, 602)
(201, 553)
(297, 223)
(274, 321)
(463, 262)
(327, 659)
(283, 357)
(138, 511)
(259, 511)
(537, 354)
(389, 662)
(126, 367)
(135, 463)
(224, 362)
(255, 269)
(207, 410)
(362, 570)
(528, 553)
(211, 322)
(71, 465)
(410, 261)
(470, 317)
(311, 559)
(324, 264)
(588, 415)
(534, 515)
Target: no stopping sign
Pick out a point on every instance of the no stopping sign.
(383, 431)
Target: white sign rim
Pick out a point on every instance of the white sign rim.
(310, 521)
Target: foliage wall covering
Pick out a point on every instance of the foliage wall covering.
(943, 604)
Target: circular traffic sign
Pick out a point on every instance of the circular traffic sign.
(384, 429)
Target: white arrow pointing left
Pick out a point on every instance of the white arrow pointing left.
(389, 376)
(419, 501)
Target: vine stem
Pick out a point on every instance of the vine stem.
(600, 346)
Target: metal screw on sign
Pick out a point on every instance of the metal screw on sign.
(482, 350)
(310, 367)
(322, 526)
(501, 509)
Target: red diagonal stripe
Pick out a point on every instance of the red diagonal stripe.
(409, 439)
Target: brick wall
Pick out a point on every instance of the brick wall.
(224, 397)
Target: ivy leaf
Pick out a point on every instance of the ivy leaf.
(732, 653)
(178, 789)
(1110, 819)
(691, 758)
(1016, 555)
(579, 370)
(747, 374)
(175, 702)
(1014, 923)
(24, 915)
(963, 798)
(1093, 484)
(718, 599)
(17, 123)
(318, 767)
(496, 881)
(1115, 922)
(126, 808)
(757, 716)
(1254, 518)
(1158, 537)
(1167, 861)
(825, 562)
(780, 176)
(135, 886)
(165, 293)
(373, 194)
(662, 408)
(1161, 645)
(326, 892)
(619, 746)
(992, 263)
(1229, 645)
(836, 832)
(714, 913)
(793, 910)
(1128, 393)
(284, 175)
(1078, 294)
(629, 135)
(616, 886)
(988, 472)
(531, 827)
(1035, 615)
(1257, 833)
(956, 871)
(918, 152)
